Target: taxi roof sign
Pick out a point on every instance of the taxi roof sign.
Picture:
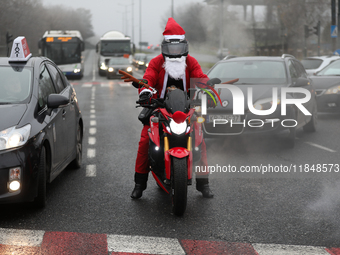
(20, 51)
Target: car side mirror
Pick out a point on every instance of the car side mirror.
(56, 101)
(214, 81)
(301, 82)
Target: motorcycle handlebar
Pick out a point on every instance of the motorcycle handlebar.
(154, 103)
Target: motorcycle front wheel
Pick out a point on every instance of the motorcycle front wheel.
(179, 185)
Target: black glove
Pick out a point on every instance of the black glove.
(145, 98)
(137, 85)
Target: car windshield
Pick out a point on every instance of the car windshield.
(250, 72)
(15, 84)
(311, 63)
(332, 69)
(119, 61)
(115, 47)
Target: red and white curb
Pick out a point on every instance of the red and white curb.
(14, 241)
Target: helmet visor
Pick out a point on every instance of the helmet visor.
(175, 48)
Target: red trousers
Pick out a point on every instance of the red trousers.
(142, 160)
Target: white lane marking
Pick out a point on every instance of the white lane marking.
(320, 147)
(92, 111)
(92, 116)
(93, 74)
(91, 171)
(92, 106)
(93, 131)
(21, 237)
(93, 123)
(87, 85)
(273, 249)
(144, 244)
(92, 140)
(92, 101)
(91, 153)
(106, 84)
(125, 84)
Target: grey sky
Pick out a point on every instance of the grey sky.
(110, 15)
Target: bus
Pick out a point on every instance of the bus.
(111, 45)
(65, 49)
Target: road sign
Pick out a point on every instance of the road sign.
(334, 31)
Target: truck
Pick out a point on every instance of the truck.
(64, 48)
(113, 44)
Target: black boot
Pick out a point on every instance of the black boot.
(202, 185)
(140, 185)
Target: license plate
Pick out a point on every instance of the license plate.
(229, 117)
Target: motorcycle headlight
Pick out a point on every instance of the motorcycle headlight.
(13, 137)
(333, 90)
(176, 128)
(129, 69)
(110, 69)
(265, 104)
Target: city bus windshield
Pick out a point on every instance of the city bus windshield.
(63, 53)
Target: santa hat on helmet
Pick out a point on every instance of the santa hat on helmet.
(173, 30)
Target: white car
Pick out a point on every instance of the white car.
(317, 63)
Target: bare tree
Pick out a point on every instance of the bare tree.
(31, 19)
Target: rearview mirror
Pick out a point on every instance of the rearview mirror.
(56, 101)
(214, 81)
(301, 82)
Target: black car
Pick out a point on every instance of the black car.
(41, 127)
(327, 87)
(262, 74)
(138, 60)
(118, 63)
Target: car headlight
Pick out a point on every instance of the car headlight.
(265, 104)
(178, 128)
(103, 66)
(13, 137)
(147, 64)
(140, 62)
(110, 69)
(129, 69)
(76, 70)
(333, 90)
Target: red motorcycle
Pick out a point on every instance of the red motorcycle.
(175, 142)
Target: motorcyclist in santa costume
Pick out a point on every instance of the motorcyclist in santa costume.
(173, 67)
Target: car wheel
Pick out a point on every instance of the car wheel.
(312, 124)
(76, 163)
(40, 200)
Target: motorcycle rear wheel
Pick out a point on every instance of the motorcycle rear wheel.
(179, 185)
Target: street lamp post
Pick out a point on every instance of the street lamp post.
(172, 9)
(140, 25)
(132, 27)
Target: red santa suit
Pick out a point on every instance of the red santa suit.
(157, 78)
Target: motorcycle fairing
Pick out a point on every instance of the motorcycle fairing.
(198, 134)
(177, 152)
(159, 182)
(154, 133)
